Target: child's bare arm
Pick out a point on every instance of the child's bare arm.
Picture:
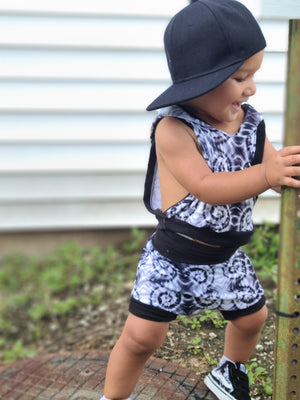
(181, 156)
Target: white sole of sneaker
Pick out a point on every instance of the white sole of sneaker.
(217, 389)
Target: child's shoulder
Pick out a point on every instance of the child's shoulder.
(171, 118)
(173, 130)
(174, 112)
(175, 115)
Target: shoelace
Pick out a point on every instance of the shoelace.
(239, 381)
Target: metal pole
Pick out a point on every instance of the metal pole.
(287, 348)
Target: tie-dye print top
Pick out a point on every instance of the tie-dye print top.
(222, 152)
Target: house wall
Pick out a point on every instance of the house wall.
(75, 78)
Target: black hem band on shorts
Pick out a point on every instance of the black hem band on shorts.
(149, 312)
(156, 314)
(231, 315)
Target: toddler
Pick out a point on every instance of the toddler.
(209, 160)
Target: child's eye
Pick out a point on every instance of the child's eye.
(239, 79)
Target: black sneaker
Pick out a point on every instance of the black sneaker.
(229, 381)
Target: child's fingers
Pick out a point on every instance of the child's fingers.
(294, 170)
(291, 182)
(291, 177)
(293, 159)
(289, 150)
(291, 173)
(283, 168)
(283, 171)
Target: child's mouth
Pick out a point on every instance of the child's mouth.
(236, 106)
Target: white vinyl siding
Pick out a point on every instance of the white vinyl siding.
(75, 78)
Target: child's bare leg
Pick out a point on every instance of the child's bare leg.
(242, 335)
(139, 339)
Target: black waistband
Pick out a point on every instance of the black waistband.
(204, 234)
(168, 240)
(181, 249)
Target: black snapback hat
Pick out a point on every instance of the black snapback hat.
(205, 43)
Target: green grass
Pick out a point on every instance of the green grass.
(35, 291)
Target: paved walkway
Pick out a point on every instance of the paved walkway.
(80, 376)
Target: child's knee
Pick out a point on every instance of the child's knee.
(261, 316)
(264, 314)
(140, 344)
(143, 337)
(252, 323)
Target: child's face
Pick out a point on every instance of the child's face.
(222, 106)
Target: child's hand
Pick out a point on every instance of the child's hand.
(282, 168)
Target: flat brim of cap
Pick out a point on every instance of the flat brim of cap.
(194, 87)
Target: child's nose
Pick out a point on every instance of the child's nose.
(250, 90)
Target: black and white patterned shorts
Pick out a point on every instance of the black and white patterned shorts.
(176, 288)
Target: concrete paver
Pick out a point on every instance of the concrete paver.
(81, 375)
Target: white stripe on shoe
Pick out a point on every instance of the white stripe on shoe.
(214, 387)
